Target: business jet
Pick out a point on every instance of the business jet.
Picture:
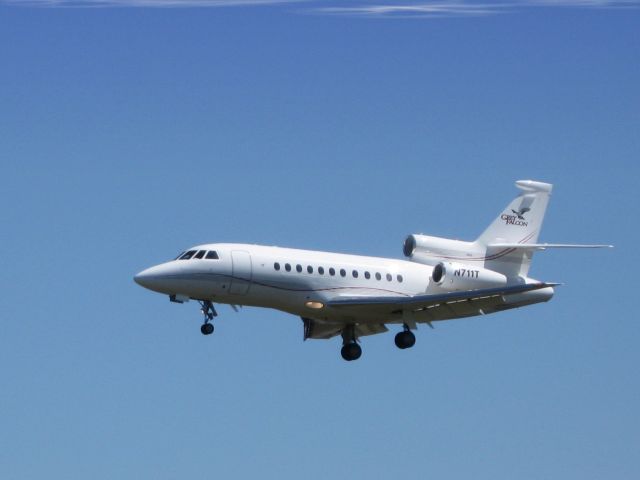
(355, 296)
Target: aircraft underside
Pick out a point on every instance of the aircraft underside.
(354, 323)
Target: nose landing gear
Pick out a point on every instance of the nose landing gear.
(209, 312)
(206, 328)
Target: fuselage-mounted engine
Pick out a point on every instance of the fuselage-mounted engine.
(432, 250)
(453, 277)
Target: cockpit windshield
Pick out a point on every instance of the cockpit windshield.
(198, 254)
(188, 255)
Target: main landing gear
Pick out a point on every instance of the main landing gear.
(405, 339)
(208, 311)
(350, 349)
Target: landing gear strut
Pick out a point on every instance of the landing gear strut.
(405, 339)
(350, 349)
(208, 311)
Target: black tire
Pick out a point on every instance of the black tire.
(351, 351)
(405, 339)
(344, 351)
(206, 329)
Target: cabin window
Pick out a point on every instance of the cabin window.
(276, 266)
(287, 267)
(212, 255)
(343, 272)
(378, 276)
(310, 269)
(188, 255)
(321, 270)
(389, 277)
(332, 271)
(399, 277)
(355, 273)
(367, 275)
(298, 268)
(200, 254)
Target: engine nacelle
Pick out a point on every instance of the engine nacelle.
(430, 250)
(456, 276)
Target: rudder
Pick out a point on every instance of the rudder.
(520, 222)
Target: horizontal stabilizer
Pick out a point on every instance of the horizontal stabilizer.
(543, 246)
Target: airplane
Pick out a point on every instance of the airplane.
(354, 296)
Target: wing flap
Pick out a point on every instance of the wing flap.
(322, 330)
(425, 301)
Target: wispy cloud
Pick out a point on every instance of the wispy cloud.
(423, 9)
(463, 8)
(142, 3)
(362, 8)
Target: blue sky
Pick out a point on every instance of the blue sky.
(128, 134)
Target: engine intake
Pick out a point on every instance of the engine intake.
(409, 245)
(456, 276)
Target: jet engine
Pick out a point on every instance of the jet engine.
(456, 276)
(430, 250)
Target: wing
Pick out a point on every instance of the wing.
(417, 309)
(324, 330)
(421, 302)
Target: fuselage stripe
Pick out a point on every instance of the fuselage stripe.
(495, 256)
(190, 276)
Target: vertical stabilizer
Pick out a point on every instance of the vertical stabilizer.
(520, 222)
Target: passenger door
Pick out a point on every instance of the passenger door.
(241, 272)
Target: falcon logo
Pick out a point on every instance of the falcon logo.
(521, 213)
(517, 218)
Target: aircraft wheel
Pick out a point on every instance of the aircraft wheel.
(206, 329)
(405, 339)
(351, 351)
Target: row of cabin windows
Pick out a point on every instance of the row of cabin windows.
(342, 272)
(209, 255)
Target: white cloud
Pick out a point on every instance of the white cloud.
(465, 8)
(425, 9)
(365, 8)
(142, 3)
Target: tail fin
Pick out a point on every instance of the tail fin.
(519, 223)
(506, 247)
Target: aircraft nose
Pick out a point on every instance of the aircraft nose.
(155, 278)
(160, 278)
(144, 278)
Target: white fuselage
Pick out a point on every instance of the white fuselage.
(291, 280)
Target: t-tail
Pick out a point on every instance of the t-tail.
(518, 225)
(506, 246)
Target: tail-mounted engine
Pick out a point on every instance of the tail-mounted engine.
(456, 276)
(431, 250)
